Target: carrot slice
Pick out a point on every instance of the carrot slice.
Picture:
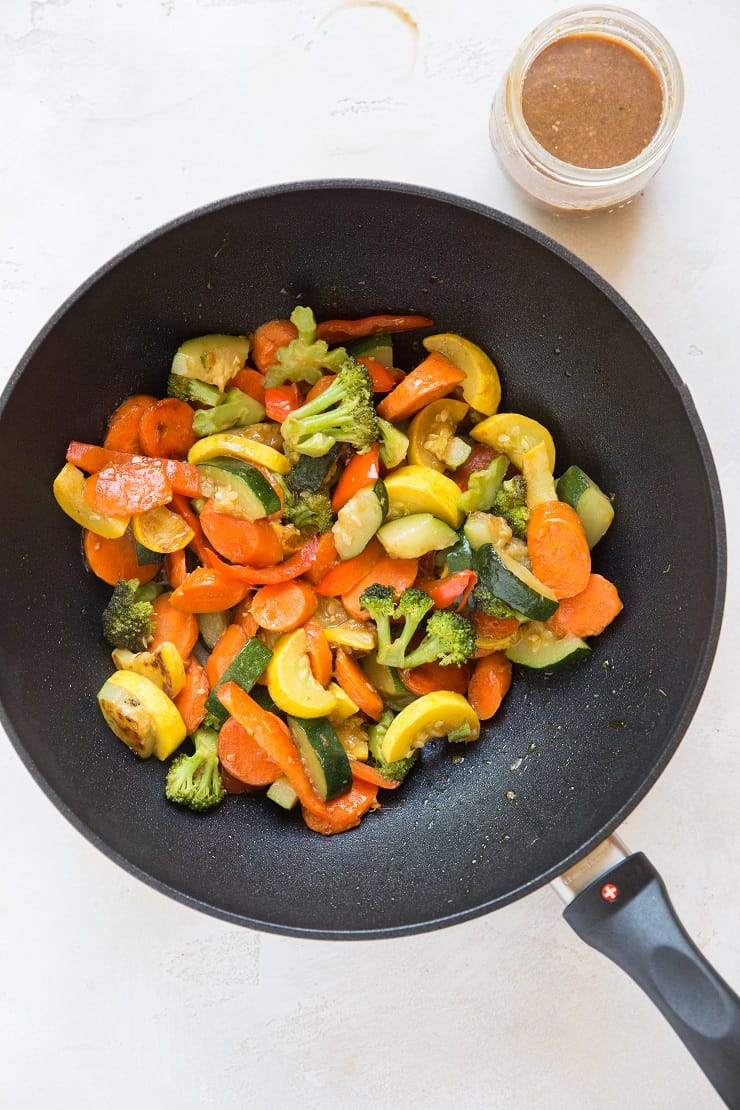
(367, 773)
(243, 616)
(126, 488)
(207, 591)
(326, 558)
(489, 684)
(430, 677)
(284, 606)
(250, 382)
(281, 401)
(253, 542)
(433, 378)
(399, 573)
(339, 331)
(493, 628)
(349, 572)
(191, 701)
(344, 812)
(174, 626)
(589, 612)
(166, 429)
(243, 758)
(123, 426)
(356, 685)
(360, 471)
(267, 339)
(176, 568)
(225, 650)
(182, 476)
(273, 737)
(558, 549)
(293, 567)
(319, 652)
(114, 559)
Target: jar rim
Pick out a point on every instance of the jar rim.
(620, 25)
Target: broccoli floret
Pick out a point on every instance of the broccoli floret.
(235, 409)
(343, 413)
(397, 770)
(212, 722)
(128, 619)
(394, 444)
(304, 359)
(195, 780)
(511, 503)
(450, 639)
(481, 598)
(380, 603)
(309, 511)
(193, 390)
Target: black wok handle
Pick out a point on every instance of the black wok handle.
(627, 914)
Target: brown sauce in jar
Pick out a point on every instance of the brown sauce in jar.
(592, 101)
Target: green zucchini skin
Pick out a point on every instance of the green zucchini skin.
(594, 508)
(244, 670)
(513, 584)
(325, 760)
(250, 494)
(379, 347)
(539, 650)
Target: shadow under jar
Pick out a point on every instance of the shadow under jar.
(588, 109)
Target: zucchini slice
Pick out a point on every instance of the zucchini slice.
(325, 760)
(387, 681)
(282, 793)
(541, 650)
(238, 488)
(410, 537)
(379, 347)
(460, 555)
(594, 508)
(513, 584)
(244, 670)
(359, 520)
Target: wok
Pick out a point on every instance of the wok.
(461, 838)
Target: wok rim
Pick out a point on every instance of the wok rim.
(694, 691)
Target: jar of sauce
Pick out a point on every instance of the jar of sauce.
(588, 109)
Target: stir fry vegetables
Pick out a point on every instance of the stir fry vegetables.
(320, 563)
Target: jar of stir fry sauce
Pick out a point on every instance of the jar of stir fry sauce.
(588, 109)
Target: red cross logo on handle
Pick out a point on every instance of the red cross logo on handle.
(609, 892)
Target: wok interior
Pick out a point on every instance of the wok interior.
(462, 834)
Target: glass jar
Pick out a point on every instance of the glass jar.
(560, 184)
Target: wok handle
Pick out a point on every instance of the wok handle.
(627, 914)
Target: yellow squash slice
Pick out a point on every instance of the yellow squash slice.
(69, 486)
(161, 530)
(235, 446)
(482, 385)
(432, 715)
(163, 666)
(513, 435)
(141, 715)
(290, 679)
(419, 489)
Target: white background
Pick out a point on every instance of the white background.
(115, 117)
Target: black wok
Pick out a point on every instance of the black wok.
(461, 838)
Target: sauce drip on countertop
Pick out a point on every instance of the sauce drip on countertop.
(592, 101)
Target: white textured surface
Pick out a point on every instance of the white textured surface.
(115, 117)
